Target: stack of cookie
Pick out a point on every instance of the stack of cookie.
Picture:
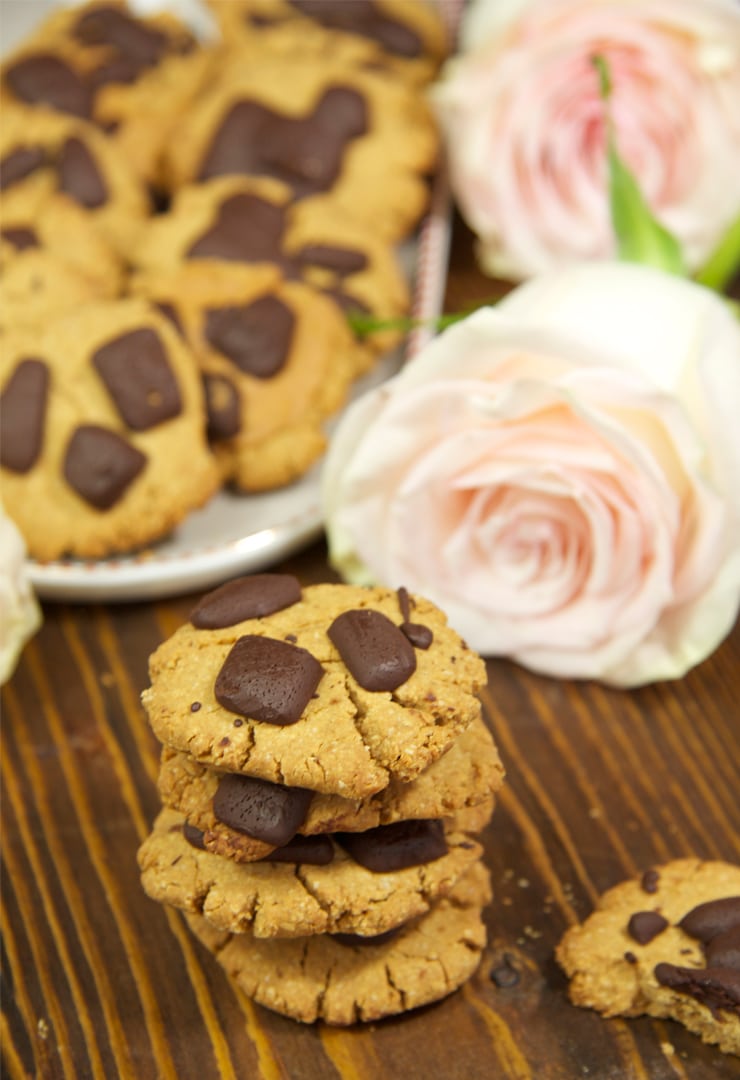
(251, 189)
(325, 771)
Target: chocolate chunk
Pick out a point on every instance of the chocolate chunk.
(100, 465)
(505, 975)
(121, 69)
(256, 337)
(646, 925)
(366, 19)
(79, 176)
(135, 40)
(304, 152)
(388, 848)
(714, 917)
(342, 261)
(247, 229)
(20, 238)
(22, 414)
(363, 940)
(44, 79)
(223, 409)
(267, 680)
(194, 836)
(269, 812)
(373, 648)
(630, 957)
(137, 375)
(718, 988)
(649, 881)
(312, 850)
(20, 163)
(245, 598)
(724, 949)
(421, 637)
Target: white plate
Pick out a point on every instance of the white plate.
(234, 534)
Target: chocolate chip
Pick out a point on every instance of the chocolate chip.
(247, 229)
(44, 79)
(245, 598)
(100, 465)
(256, 337)
(20, 163)
(223, 407)
(137, 375)
(373, 648)
(269, 812)
(646, 925)
(79, 176)
(363, 940)
(22, 414)
(630, 957)
(21, 239)
(304, 152)
(312, 850)
(505, 975)
(716, 987)
(342, 261)
(267, 680)
(366, 19)
(714, 917)
(194, 836)
(388, 848)
(196, 706)
(649, 881)
(133, 39)
(724, 949)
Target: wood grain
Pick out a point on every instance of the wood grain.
(99, 981)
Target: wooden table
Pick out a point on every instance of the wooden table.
(102, 982)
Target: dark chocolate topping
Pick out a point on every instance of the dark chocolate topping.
(363, 941)
(100, 465)
(121, 69)
(141, 44)
(21, 238)
(714, 917)
(373, 648)
(366, 19)
(256, 337)
(194, 836)
(306, 153)
(247, 229)
(223, 409)
(649, 881)
(137, 375)
(44, 79)
(421, 637)
(388, 848)
(342, 261)
(269, 812)
(267, 680)
(246, 598)
(724, 949)
(22, 414)
(313, 850)
(646, 925)
(79, 176)
(718, 988)
(20, 163)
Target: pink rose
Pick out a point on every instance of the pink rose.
(525, 127)
(560, 475)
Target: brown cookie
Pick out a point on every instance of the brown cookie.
(664, 945)
(343, 981)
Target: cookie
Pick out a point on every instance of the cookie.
(276, 357)
(102, 420)
(255, 220)
(403, 37)
(389, 886)
(336, 688)
(363, 141)
(343, 981)
(131, 75)
(52, 262)
(665, 945)
(466, 776)
(45, 157)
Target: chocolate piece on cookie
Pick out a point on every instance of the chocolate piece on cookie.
(348, 740)
(678, 957)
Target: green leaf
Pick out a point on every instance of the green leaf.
(362, 325)
(724, 262)
(640, 237)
